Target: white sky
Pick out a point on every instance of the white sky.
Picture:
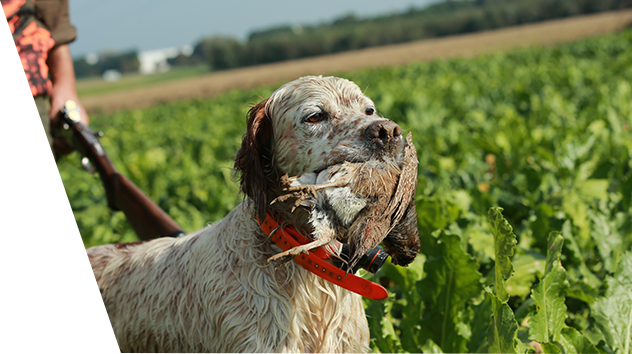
(153, 24)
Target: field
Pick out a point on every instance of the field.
(96, 86)
(524, 197)
(137, 91)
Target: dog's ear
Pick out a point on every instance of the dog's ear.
(254, 158)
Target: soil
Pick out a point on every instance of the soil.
(468, 45)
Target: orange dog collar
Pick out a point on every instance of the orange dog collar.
(288, 237)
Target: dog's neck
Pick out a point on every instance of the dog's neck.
(282, 211)
(318, 261)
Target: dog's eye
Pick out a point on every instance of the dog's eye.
(369, 111)
(315, 118)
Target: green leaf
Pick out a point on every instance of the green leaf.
(480, 325)
(553, 252)
(523, 347)
(383, 334)
(503, 329)
(573, 342)
(551, 348)
(452, 280)
(593, 189)
(527, 267)
(435, 213)
(549, 295)
(584, 285)
(581, 290)
(613, 312)
(502, 335)
(430, 347)
(607, 238)
(504, 242)
(409, 304)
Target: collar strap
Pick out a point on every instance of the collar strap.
(288, 237)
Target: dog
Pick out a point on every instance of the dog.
(361, 203)
(214, 290)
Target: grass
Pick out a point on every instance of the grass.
(96, 85)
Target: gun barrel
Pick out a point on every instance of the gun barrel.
(146, 218)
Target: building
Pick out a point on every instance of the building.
(154, 61)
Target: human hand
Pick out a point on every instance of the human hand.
(58, 102)
(63, 78)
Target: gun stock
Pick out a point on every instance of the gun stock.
(147, 219)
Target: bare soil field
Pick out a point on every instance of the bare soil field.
(468, 45)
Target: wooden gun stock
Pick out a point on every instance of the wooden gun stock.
(147, 219)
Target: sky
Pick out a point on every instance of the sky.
(120, 25)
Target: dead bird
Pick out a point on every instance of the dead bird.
(362, 204)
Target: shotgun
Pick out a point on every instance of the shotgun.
(147, 219)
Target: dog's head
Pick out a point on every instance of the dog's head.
(307, 125)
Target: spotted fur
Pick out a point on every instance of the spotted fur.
(213, 290)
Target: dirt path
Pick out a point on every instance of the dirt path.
(544, 33)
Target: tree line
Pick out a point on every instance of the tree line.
(126, 62)
(450, 17)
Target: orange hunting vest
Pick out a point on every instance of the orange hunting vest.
(24, 47)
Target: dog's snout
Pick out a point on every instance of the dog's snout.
(383, 132)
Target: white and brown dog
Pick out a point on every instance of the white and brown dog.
(214, 290)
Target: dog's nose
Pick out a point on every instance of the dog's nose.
(383, 132)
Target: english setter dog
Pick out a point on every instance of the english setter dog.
(214, 290)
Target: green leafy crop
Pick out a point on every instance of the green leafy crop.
(524, 196)
(543, 133)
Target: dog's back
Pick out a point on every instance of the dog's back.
(213, 291)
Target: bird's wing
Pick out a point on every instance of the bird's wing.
(407, 184)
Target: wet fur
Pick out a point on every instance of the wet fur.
(213, 290)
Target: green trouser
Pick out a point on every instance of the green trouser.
(43, 107)
(34, 223)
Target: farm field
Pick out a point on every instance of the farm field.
(97, 86)
(524, 195)
(138, 92)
